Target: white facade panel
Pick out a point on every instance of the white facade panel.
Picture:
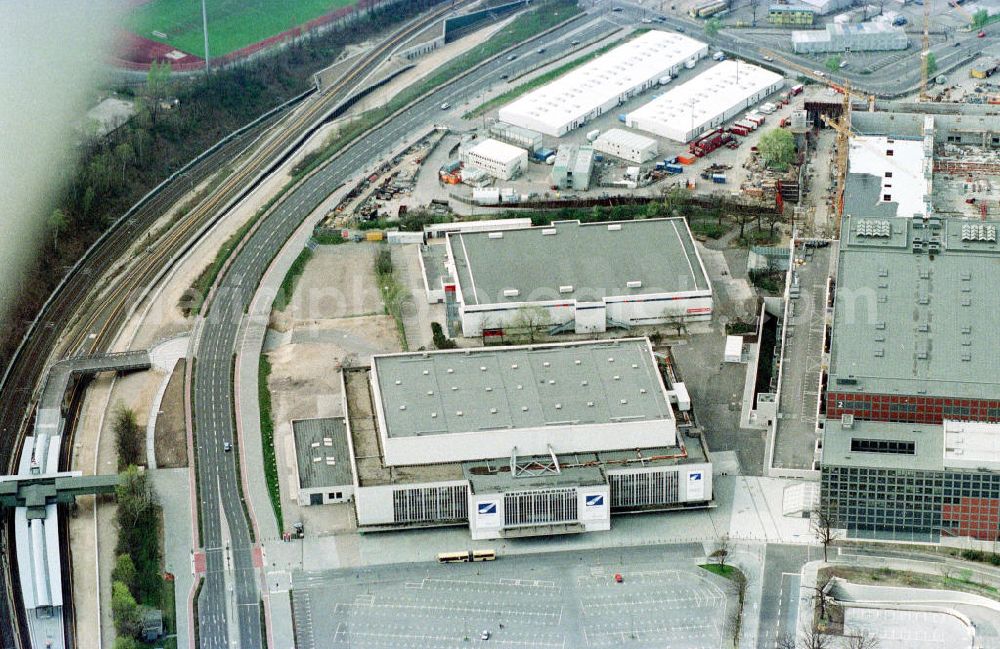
(706, 102)
(598, 86)
(648, 310)
(498, 159)
(484, 444)
(627, 146)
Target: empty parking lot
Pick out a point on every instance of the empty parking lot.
(547, 600)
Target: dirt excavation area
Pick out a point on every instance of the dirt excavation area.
(335, 317)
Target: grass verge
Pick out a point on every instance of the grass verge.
(267, 439)
(394, 294)
(284, 296)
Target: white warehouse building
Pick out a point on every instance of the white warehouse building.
(498, 159)
(626, 145)
(706, 101)
(864, 37)
(577, 277)
(602, 84)
(518, 441)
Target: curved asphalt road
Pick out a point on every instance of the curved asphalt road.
(218, 475)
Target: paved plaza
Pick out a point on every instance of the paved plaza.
(566, 599)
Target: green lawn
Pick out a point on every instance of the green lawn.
(232, 24)
(722, 571)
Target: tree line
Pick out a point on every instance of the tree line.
(111, 172)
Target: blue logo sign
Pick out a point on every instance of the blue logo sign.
(595, 501)
(694, 476)
(487, 508)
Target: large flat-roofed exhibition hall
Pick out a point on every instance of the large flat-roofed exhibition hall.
(589, 277)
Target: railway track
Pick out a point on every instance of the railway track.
(96, 325)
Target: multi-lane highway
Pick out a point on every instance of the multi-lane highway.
(213, 371)
(78, 320)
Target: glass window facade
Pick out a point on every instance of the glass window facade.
(430, 504)
(909, 408)
(882, 446)
(539, 507)
(635, 490)
(910, 505)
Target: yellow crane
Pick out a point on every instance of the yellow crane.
(844, 134)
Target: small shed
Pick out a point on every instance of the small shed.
(152, 624)
(734, 349)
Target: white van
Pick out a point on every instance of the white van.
(445, 106)
(719, 56)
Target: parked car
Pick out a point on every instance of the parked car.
(228, 446)
(618, 578)
(485, 635)
(769, 59)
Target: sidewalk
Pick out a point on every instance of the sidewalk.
(171, 487)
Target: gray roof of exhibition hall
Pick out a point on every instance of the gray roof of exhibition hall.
(595, 260)
(482, 389)
(916, 308)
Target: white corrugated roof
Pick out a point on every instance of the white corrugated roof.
(706, 96)
(497, 150)
(619, 71)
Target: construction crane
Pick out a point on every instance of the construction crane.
(844, 135)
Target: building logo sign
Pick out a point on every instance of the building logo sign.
(488, 514)
(595, 507)
(696, 485)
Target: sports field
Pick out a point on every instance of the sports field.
(232, 24)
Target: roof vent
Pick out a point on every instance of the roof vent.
(590, 404)
(558, 406)
(546, 364)
(615, 227)
(577, 362)
(403, 407)
(426, 372)
(624, 401)
(451, 370)
(493, 411)
(548, 231)
(524, 408)
(513, 366)
(430, 393)
(482, 368)
(495, 235)
(458, 412)
(566, 289)
(511, 292)
(584, 382)
(635, 283)
(398, 382)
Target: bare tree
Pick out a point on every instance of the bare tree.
(721, 552)
(812, 638)
(825, 527)
(785, 641)
(529, 320)
(821, 596)
(863, 640)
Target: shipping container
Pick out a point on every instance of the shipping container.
(673, 168)
(685, 159)
(718, 178)
(592, 135)
(374, 235)
(797, 90)
(542, 154)
(665, 79)
(736, 129)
